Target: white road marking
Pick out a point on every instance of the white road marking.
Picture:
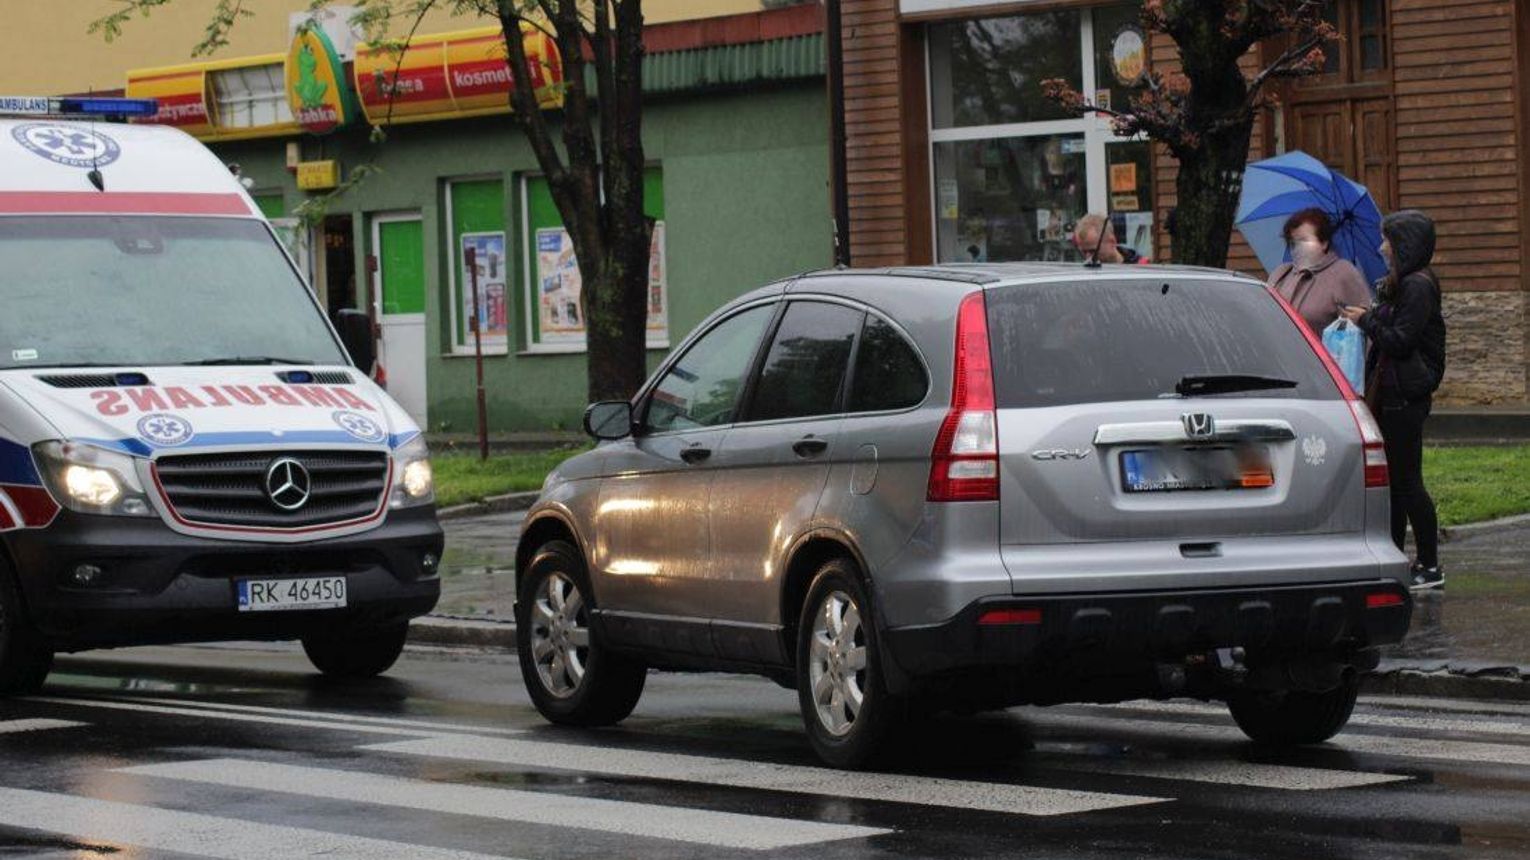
(1401, 747)
(428, 725)
(722, 829)
(1422, 722)
(103, 821)
(263, 719)
(10, 727)
(737, 773)
(1231, 772)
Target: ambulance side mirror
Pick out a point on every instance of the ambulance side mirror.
(355, 329)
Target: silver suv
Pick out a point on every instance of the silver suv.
(968, 487)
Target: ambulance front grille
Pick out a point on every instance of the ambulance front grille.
(231, 489)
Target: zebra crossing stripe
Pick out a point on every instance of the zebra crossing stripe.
(11, 727)
(737, 773)
(721, 829)
(1396, 745)
(88, 819)
(428, 726)
(1423, 722)
(1250, 774)
(263, 719)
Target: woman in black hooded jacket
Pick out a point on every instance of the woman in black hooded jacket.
(1404, 367)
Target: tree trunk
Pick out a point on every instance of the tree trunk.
(616, 314)
(1210, 180)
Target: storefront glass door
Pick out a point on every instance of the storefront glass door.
(398, 243)
(1012, 171)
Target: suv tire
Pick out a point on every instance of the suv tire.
(838, 663)
(573, 679)
(1293, 718)
(358, 654)
(25, 659)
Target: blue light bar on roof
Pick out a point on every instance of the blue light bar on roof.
(77, 106)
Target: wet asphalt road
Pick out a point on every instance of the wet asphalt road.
(244, 753)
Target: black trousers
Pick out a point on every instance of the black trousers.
(1402, 427)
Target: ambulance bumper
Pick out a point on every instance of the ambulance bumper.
(156, 586)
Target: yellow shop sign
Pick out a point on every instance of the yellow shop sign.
(318, 175)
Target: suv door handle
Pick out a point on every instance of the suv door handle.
(695, 454)
(810, 447)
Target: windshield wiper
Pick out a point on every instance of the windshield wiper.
(1226, 383)
(246, 359)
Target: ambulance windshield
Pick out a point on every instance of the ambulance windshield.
(95, 290)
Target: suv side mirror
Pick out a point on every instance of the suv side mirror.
(609, 419)
(355, 329)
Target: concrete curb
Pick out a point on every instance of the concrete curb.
(1453, 681)
(1485, 527)
(491, 505)
(462, 632)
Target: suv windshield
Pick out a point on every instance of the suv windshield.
(1104, 341)
(139, 291)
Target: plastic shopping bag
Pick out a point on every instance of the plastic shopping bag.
(1346, 344)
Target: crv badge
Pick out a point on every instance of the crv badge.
(1060, 454)
(1199, 425)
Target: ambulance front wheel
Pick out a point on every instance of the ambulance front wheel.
(25, 659)
(357, 654)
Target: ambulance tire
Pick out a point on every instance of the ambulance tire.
(358, 654)
(25, 659)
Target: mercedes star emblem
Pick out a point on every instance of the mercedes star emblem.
(288, 484)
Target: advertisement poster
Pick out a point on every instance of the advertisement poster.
(560, 315)
(493, 298)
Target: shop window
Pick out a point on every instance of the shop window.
(989, 71)
(1012, 171)
(251, 96)
(476, 220)
(555, 315)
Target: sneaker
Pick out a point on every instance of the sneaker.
(1425, 578)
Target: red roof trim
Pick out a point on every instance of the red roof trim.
(120, 203)
(744, 29)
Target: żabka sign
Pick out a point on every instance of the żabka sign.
(317, 87)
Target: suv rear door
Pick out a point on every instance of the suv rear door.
(1085, 377)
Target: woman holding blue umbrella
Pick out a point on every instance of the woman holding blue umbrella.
(1317, 282)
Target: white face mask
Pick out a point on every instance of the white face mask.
(1305, 253)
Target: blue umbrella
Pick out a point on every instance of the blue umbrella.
(1276, 188)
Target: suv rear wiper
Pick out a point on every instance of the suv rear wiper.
(1227, 383)
(246, 359)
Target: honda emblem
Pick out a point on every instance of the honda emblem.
(1199, 425)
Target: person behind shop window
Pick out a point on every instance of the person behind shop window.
(1088, 240)
(1317, 282)
(1402, 371)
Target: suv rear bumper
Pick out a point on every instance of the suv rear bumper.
(1110, 631)
(159, 586)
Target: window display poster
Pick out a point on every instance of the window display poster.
(493, 310)
(1139, 232)
(560, 313)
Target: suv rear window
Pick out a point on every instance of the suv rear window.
(1104, 341)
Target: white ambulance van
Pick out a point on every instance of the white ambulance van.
(188, 451)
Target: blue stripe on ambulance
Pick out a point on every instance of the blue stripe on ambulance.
(141, 448)
(16, 465)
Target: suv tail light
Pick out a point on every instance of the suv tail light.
(964, 465)
(1376, 472)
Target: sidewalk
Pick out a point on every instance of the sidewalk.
(1471, 639)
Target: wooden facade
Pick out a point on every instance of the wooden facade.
(1428, 103)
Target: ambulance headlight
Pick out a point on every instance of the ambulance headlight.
(416, 482)
(92, 480)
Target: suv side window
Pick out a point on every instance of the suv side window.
(888, 372)
(702, 388)
(805, 370)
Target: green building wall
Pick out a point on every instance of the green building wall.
(746, 201)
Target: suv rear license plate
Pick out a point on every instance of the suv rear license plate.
(1164, 470)
(266, 595)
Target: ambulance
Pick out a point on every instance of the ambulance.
(189, 450)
